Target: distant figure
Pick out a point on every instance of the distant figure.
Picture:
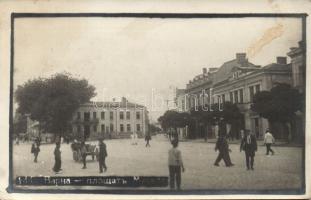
(102, 156)
(134, 138)
(58, 161)
(175, 165)
(249, 146)
(35, 149)
(223, 149)
(268, 141)
(83, 154)
(147, 139)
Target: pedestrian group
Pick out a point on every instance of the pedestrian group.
(175, 162)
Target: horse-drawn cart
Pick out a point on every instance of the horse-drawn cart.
(77, 151)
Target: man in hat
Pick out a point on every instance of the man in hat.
(102, 155)
(249, 146)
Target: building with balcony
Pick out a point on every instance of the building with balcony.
(110, 120)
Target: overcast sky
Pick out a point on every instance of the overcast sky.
(132, 57)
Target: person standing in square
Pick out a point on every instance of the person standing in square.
(268, 141)
(249, 146)
(147, 139)
(35, 149)
(83, 154)
(102, 156)
(175, 165)
(58, 160)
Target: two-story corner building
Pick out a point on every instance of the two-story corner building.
(110, 120)
(236, 81)
(241, 84)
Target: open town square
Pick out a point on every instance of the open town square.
(280, 171)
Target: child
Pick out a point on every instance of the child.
(175, 165)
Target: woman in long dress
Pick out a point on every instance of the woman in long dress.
(58, 161)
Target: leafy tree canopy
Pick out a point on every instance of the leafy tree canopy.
(174, 119)
(52, 101)
(227, 111)
(279, 104)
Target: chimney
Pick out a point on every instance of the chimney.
(301, 44)
(241, 57)
(124, 100)
(204, 70)
(281, 60)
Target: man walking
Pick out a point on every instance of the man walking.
(223, 149)
(268, 141)
(147, 138)
(102, 156)
(175, 165)
(249, 146)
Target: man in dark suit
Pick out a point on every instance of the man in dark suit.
(102, 156)
(249, 146)
(223, 148)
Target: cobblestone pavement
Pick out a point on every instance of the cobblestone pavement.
(281, 171)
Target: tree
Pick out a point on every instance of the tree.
(53, 100)
(228, 112)
(174, 119)
(153, 128)
(278, 105)
(19, 124)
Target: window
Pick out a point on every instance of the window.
(103, 128)
(79, 128)
(241, 95)
(257, 88)
(111, 115)
(95, 128)
(102, 115)
(121, 115)
(78, 115)
(94, 115)
(128, 127)
(236, 100)
(223, 98)
(137, 115)
(128, 115)
(121, 128)
(111, 127)
(251, 93)
(231, 97)
(137, 127)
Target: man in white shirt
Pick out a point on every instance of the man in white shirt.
(269, 140)
(175, 165)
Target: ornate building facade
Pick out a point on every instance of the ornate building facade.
(237, 81)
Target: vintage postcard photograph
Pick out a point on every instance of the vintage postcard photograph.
(158, 103)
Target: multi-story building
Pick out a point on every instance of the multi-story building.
(237, 81)
(110, 120)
